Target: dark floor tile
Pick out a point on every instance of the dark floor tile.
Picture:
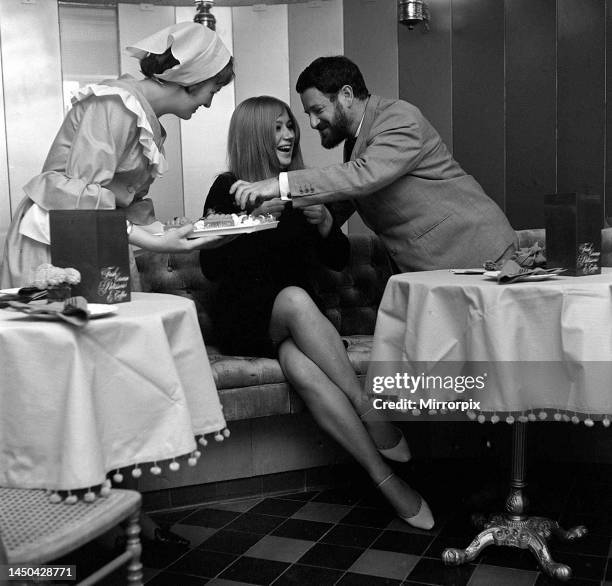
(368, 517)
(254, 570)
(350, 579)
(253, 523)
(373, 499)
(170, 517)
(338, 497)
(160, 555)
(351, 535)
(331, 556)
(277, 507)
(600, 524)
(206, 564)
(588, 545)
(302, 529)
(236, 542)
(460, 525)
(298, 575)
(508, 557)
(300, 496)
(210, 518)
(173, 579)
(430, 571)
(440, 543)
(583, 566)
(402, 542)
(544, 580)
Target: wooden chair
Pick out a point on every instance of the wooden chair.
(36, 531)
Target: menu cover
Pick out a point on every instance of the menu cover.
(573, 232)
(95, 243)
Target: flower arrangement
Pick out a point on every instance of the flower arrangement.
(46, 275)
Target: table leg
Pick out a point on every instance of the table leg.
(514, 528)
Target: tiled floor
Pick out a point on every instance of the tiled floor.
(349, 537)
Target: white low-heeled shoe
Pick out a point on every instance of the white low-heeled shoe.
(423, 519)
(400, 452)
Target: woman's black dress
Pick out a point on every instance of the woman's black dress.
(252, 269)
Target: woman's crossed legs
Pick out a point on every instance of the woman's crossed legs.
(315, 362)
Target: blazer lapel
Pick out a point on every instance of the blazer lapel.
(368, 120)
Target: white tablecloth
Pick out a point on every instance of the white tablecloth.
(544, 345)
(76, 403)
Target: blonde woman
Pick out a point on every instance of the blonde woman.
(266, 307)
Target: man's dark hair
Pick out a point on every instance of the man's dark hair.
(330, 74)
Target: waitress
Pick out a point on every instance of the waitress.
(109, 148)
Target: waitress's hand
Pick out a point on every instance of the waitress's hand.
(175, 240)
(320, 216)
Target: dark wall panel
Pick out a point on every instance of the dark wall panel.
(581, 96)
(425, 68)
(478, 91)
(530, 109)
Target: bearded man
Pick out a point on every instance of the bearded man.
(398, 175)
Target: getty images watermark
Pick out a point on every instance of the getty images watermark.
(402, 383)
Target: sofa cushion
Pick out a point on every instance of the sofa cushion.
(231, 372)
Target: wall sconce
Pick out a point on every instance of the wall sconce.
(413, 12)
(204, 15)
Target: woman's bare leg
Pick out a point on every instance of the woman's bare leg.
(296, 315)
(335, 414)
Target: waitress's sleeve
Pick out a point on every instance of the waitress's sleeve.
(103, 133)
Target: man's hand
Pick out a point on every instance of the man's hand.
(249, 195)
(272, 206)
(319, 215)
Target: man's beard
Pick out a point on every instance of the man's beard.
(337, 131)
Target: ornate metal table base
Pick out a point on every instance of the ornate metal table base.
(515, 528)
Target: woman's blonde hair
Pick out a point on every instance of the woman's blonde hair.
(252, 139)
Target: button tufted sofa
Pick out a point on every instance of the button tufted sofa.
(256, 387)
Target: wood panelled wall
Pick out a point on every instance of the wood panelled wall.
(518, 89)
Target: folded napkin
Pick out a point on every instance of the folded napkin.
(72, 311)
(512, 271)
(25, 295)
(531, 257)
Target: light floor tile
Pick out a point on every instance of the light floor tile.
(388, 564)
(485, 575)
(280, 549)
(238, 506)
(325, 512)
(194, 533)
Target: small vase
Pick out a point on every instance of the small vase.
(58, 292)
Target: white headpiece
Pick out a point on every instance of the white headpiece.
(199, 51)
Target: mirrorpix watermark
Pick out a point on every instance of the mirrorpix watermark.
(427, 392)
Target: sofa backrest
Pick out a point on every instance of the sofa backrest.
(350, 297)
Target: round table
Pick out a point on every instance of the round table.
(125, 389)
(543, 347)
